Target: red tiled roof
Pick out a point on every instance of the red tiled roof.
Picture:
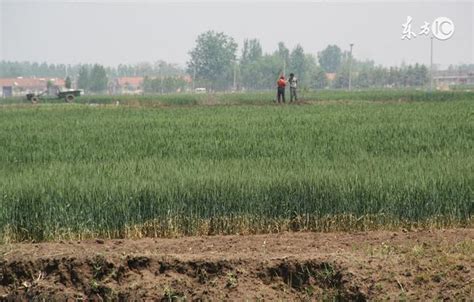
(30, 82)
(133, 81)
(331, 76)
(138, 81)
(59, 82)
(187, 78)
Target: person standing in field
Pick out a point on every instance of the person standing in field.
(293, 81)
(281, 89)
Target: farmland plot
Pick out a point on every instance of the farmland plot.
(75, 171)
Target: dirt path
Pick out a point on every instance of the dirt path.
(288, 266)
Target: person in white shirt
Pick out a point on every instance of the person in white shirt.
(293, 81)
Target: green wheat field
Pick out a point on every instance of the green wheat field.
(235, 164)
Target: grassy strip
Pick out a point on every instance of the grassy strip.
(258, 98)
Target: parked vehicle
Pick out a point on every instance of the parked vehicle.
(67, 95)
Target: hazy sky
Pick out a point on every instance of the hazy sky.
(113, 32)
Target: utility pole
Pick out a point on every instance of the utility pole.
(350, 67)
(431, 66)
(194, 76)
(235, 76)
(161, 76)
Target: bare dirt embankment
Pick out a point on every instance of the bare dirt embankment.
(289, 266)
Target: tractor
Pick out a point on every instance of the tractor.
(67, 95)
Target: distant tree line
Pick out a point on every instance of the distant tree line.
(92, 79)
(167, 84)
(462, 68)
(10, 69)
(95, 77)
(146, 69)
(216, 64)
(366, 74)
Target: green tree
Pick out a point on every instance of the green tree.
(284, 55)
(298, 63)
(144, 69)
(98, 78)
(213, 59)
(394, 77)
(363, 79)
(162, 68)
(167, 84)
(330, 58)
(249, 63)
(319, 80)
(421, 75)
(251, 52)
(83, 78)
(267, 70)
(67, 82)
(342, 77)
(380, 76)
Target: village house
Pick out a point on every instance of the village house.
(444, 80)
(331, 76)
(134, 85)
(21, 86)
(126, 85)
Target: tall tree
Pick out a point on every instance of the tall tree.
(67, 82)
(330, 58)
(249, 62)
(83, 78)
(298, 62)
(363, 79)
(251, 52)
(98, 78)
(267, 71)
(213, 59)
(423, 75)
(342, 77)
(311, 68)
(319, 80)
(284, 55)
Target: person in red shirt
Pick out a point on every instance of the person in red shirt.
(281, 89)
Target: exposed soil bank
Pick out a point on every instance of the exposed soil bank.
(434, 264)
